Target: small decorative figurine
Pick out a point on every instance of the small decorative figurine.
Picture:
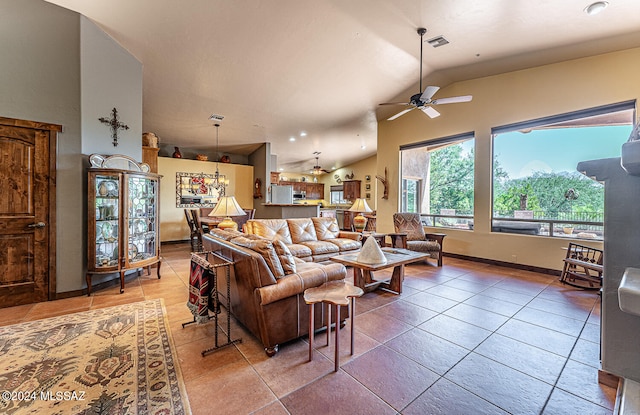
(176, 153)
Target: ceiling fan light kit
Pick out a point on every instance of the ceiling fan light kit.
(423, 100)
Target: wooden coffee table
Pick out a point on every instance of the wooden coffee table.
(396, 258)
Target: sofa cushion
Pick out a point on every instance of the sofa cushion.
(321, 247)
(271, 229)
(428, 247)
(345, 244)
(302, 230)
(265, 248)
(286, 258)
(326, 228)
(300, 251)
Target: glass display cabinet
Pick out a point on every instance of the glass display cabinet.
(123, 227)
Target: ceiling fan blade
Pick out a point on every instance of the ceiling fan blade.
(430, 111)
(428, 93)
(395, 103)
(401, 113)
(453, 100)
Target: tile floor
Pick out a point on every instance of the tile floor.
(467, 338)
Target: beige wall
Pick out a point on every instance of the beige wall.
(173, 226)
(366, 167)
(499, 100)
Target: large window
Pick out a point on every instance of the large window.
(438, 180)
(536, 187)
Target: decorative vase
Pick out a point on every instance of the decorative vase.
(359, 222)
(176, 153)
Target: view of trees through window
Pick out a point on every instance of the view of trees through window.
(438, 181)
(536, 187)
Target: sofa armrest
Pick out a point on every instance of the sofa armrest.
(438, 237)
(356, 236)
(398, 240)
(312, 275)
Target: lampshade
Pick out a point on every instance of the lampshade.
(360, 222)
(227, 206)
(360, 205)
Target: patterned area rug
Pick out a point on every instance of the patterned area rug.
(117, 360)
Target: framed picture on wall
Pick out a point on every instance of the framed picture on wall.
(367, 178)
(368, 195)
(367, 187)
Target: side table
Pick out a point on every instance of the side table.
(336, 293)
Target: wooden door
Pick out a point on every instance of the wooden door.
(27, 211)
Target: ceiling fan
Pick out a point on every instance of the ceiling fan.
(317, 170)
(422, 100)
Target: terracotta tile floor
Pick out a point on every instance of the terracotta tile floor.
(467, 338)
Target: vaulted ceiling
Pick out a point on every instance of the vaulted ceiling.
(279, 69)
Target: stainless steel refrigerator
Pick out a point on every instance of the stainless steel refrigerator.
(281, 194)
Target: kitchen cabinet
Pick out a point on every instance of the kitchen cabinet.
(274, 177)
(297, 186)
(122, 218)
(351, 189)
(315, 190)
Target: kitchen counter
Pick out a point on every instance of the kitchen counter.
(286, 211)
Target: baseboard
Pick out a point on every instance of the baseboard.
(104, 284)
(523, 267)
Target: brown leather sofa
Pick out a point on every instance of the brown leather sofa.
(266, 292)
(310, 239)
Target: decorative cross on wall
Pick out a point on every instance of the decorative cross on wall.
(115, 125)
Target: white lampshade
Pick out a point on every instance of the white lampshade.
(360, 205)
(227, 206)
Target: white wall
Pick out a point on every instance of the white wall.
(499, 100)
(111, 78)
(43, 72)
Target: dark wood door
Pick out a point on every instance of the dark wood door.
(27, 212)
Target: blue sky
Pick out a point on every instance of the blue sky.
(557, 149)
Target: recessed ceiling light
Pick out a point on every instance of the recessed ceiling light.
(363, 147)
(303, 134)
(595, 8)
(292, 139)
(281, 169)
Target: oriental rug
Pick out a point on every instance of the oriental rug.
(116, 360)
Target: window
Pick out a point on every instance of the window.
(536, 187)
(411, 195)
(438, 180)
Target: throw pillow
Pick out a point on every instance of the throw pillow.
(265, 248)
(286, 257)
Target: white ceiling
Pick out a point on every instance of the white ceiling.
(276, 68)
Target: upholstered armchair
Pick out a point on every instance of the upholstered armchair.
(417, 239)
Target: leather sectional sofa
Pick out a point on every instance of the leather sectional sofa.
(310, 239)
(267, 285)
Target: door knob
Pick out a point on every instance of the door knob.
(37, 225)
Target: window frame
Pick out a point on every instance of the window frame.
(429, 219)
(546, 121)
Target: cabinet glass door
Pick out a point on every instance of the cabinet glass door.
(107, 202)
(142, 217)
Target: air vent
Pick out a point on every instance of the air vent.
(436, 42)
(216, 117)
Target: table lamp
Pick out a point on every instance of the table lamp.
(226, 207)
(360, 206)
